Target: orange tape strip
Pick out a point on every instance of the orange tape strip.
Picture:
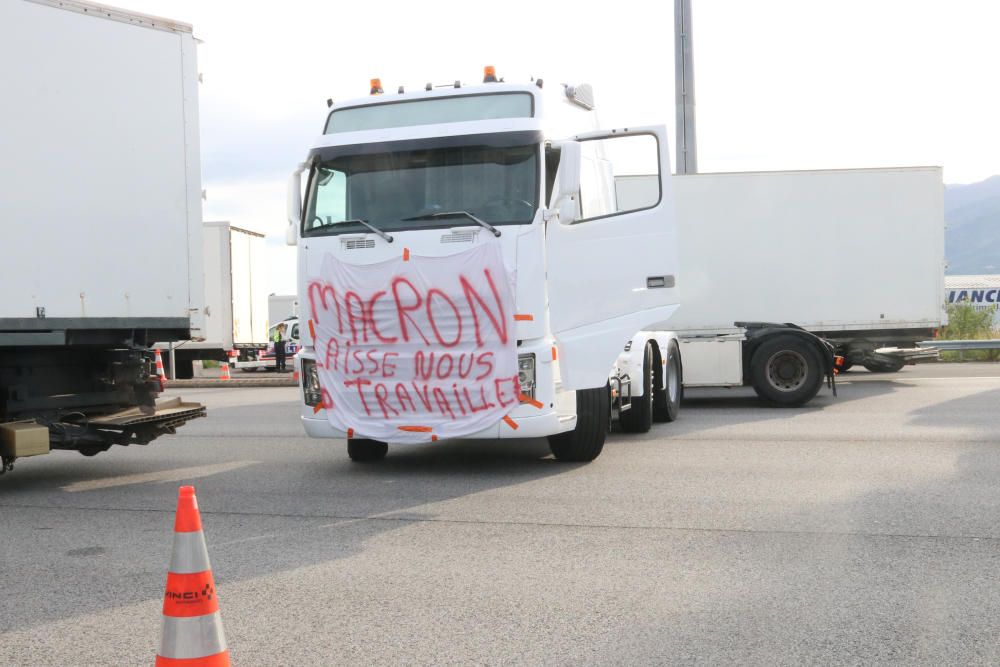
(416, 429)
(190, 595)
(217, 660)
(406, 254)
(554, 354)
(317, 408)
(530, 401)
(524, 318)
(510, 422)
(312, 330)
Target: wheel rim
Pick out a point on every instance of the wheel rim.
(673, 379)
(787, 370)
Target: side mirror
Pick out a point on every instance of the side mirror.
(568, 181)
(295, 204)
(569, 168)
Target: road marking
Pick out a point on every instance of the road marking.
(174, 475)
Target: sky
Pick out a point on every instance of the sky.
(780, 84)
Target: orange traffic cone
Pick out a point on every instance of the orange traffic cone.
(225, 371)
(192, 627)
(159, 363)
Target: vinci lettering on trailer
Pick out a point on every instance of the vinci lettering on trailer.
(981, 291)
(455, 249)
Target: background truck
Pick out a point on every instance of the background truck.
(100, 211)
(236, 301)
(281, 307)
(854, 256)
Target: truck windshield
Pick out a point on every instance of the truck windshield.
(402, 190)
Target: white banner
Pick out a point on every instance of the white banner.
(416, 348)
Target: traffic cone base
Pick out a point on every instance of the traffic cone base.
(225, 371)
(192, 627)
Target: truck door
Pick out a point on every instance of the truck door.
(611, 251)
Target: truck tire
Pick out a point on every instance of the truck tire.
(884, 366)
(586, 440)
(639, 418)
(786, 370)
(362, 450)
(667, 401)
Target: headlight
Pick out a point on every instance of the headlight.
(311, 391)
(526, 374)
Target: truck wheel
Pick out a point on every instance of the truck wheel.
(639, 418)
(884, 366)
(586, 440)
(786, 370)
(667, 401)
(363, 450)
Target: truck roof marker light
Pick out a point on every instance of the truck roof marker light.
(458, 84)
(489, 74)
(428, 86)
(539, 82)
(329, 102)
(376, 87)
(400, 91)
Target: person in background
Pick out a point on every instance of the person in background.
(279, 347)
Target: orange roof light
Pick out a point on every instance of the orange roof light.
(489, 74)
(376, 87)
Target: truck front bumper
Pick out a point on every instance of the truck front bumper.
(554, 416)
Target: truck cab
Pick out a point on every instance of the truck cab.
(465, 270)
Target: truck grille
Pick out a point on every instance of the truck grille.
(459, 237)
(355, 244)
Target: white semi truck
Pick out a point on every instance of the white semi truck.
(855, 256)
(466, 270)
(236, 301)
(101, 224)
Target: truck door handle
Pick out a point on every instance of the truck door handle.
(653, 282)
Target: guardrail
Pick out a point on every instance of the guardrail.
(990, 344)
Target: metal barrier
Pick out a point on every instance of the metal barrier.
(990, 344)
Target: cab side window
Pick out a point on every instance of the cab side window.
(619, 175)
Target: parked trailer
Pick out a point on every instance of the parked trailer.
(465, 271)
(854, 257)
(100, 206)
(236, 313)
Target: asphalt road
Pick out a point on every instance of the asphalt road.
(862, 529)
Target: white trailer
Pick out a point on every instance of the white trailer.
(236, 312)
(982, 292)
(466, 272)
(101, 215)
(855, 256)
(281, 307)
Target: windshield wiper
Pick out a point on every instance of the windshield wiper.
(452, 214)
(365, 223)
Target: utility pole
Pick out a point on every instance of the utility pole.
(687, 145)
